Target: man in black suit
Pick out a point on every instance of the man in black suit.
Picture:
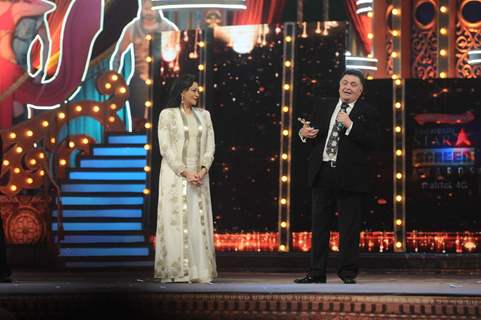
(4, 269)
(343, 131)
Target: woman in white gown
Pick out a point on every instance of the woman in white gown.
(185, 236)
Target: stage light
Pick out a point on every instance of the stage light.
(42, 173)
(398, 129)
(61, 115)
(71, 144)
(146, 191)
(282, 247)
(399, 244)
(399, 222)
(52, 140)
(112, 119)
(443, 31)
(108, 85)
(201, 67)
(370, 14)
(45, 124)
(148, 59)
(395, 12)
(284, 156)
(398, 82)
(41, 155)
(62, 162)
(399, 152)
(95, 109)
(285, 132)
(29, 180)
(395, 33)
(19, 149)
(397, 105)
(443, 9)
(399, 175)
(147, 147)
(370, 36)
(394, 54)
(283, 201)
(399, 198)
(201, 89)
(114, 77)
(33, 162)
(123, 90)
(148, 125)
(113, 106)
(16, 170)
(6, 163)
(148, 82)
(147, 169)
(285, 109)
(29, 133)
(13, 187)
(443, 52)
(284, 179)
(287, 63)
(85, 141)
(287, 87)
(148, 104)
(12, 135)
(148, 37)
(283, 224)
(288, 39)
(443, 75)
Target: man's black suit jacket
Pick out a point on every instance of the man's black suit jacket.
(352, 172)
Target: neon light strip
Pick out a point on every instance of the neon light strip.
(362, 10)
(195, 6)
(351, 66)
(361, 59)
(358, 2)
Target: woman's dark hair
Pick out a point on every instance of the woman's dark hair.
(180, 84)
(356, 73)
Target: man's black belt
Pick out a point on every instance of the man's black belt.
(331, 164)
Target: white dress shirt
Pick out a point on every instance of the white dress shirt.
(325, 157)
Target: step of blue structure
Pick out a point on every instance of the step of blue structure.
(103, 200)
(113, 163)
(93, 238)
(102, 187)
(127, 139)
(108, 264)
(99, 226)
(105, 252)
(100, 213)
(119, 150)
(119, 175)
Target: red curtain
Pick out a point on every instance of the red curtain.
(361, 23)
(260, 11)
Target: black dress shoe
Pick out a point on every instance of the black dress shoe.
(5, 280)
(310, 279)
(348, 280)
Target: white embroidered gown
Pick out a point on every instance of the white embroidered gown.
(185, 235)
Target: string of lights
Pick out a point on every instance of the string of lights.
(399, 144)
(286, 136)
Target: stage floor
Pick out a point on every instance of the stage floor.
(136, 294)
(27, 282)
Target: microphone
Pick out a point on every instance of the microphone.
(343, 109)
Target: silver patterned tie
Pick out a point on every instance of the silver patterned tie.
(333, 141)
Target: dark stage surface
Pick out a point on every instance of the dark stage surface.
(136, 295)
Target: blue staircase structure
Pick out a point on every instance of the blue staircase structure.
(103, 203)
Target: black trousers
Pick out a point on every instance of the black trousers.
(4, 269)
(326, 200)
